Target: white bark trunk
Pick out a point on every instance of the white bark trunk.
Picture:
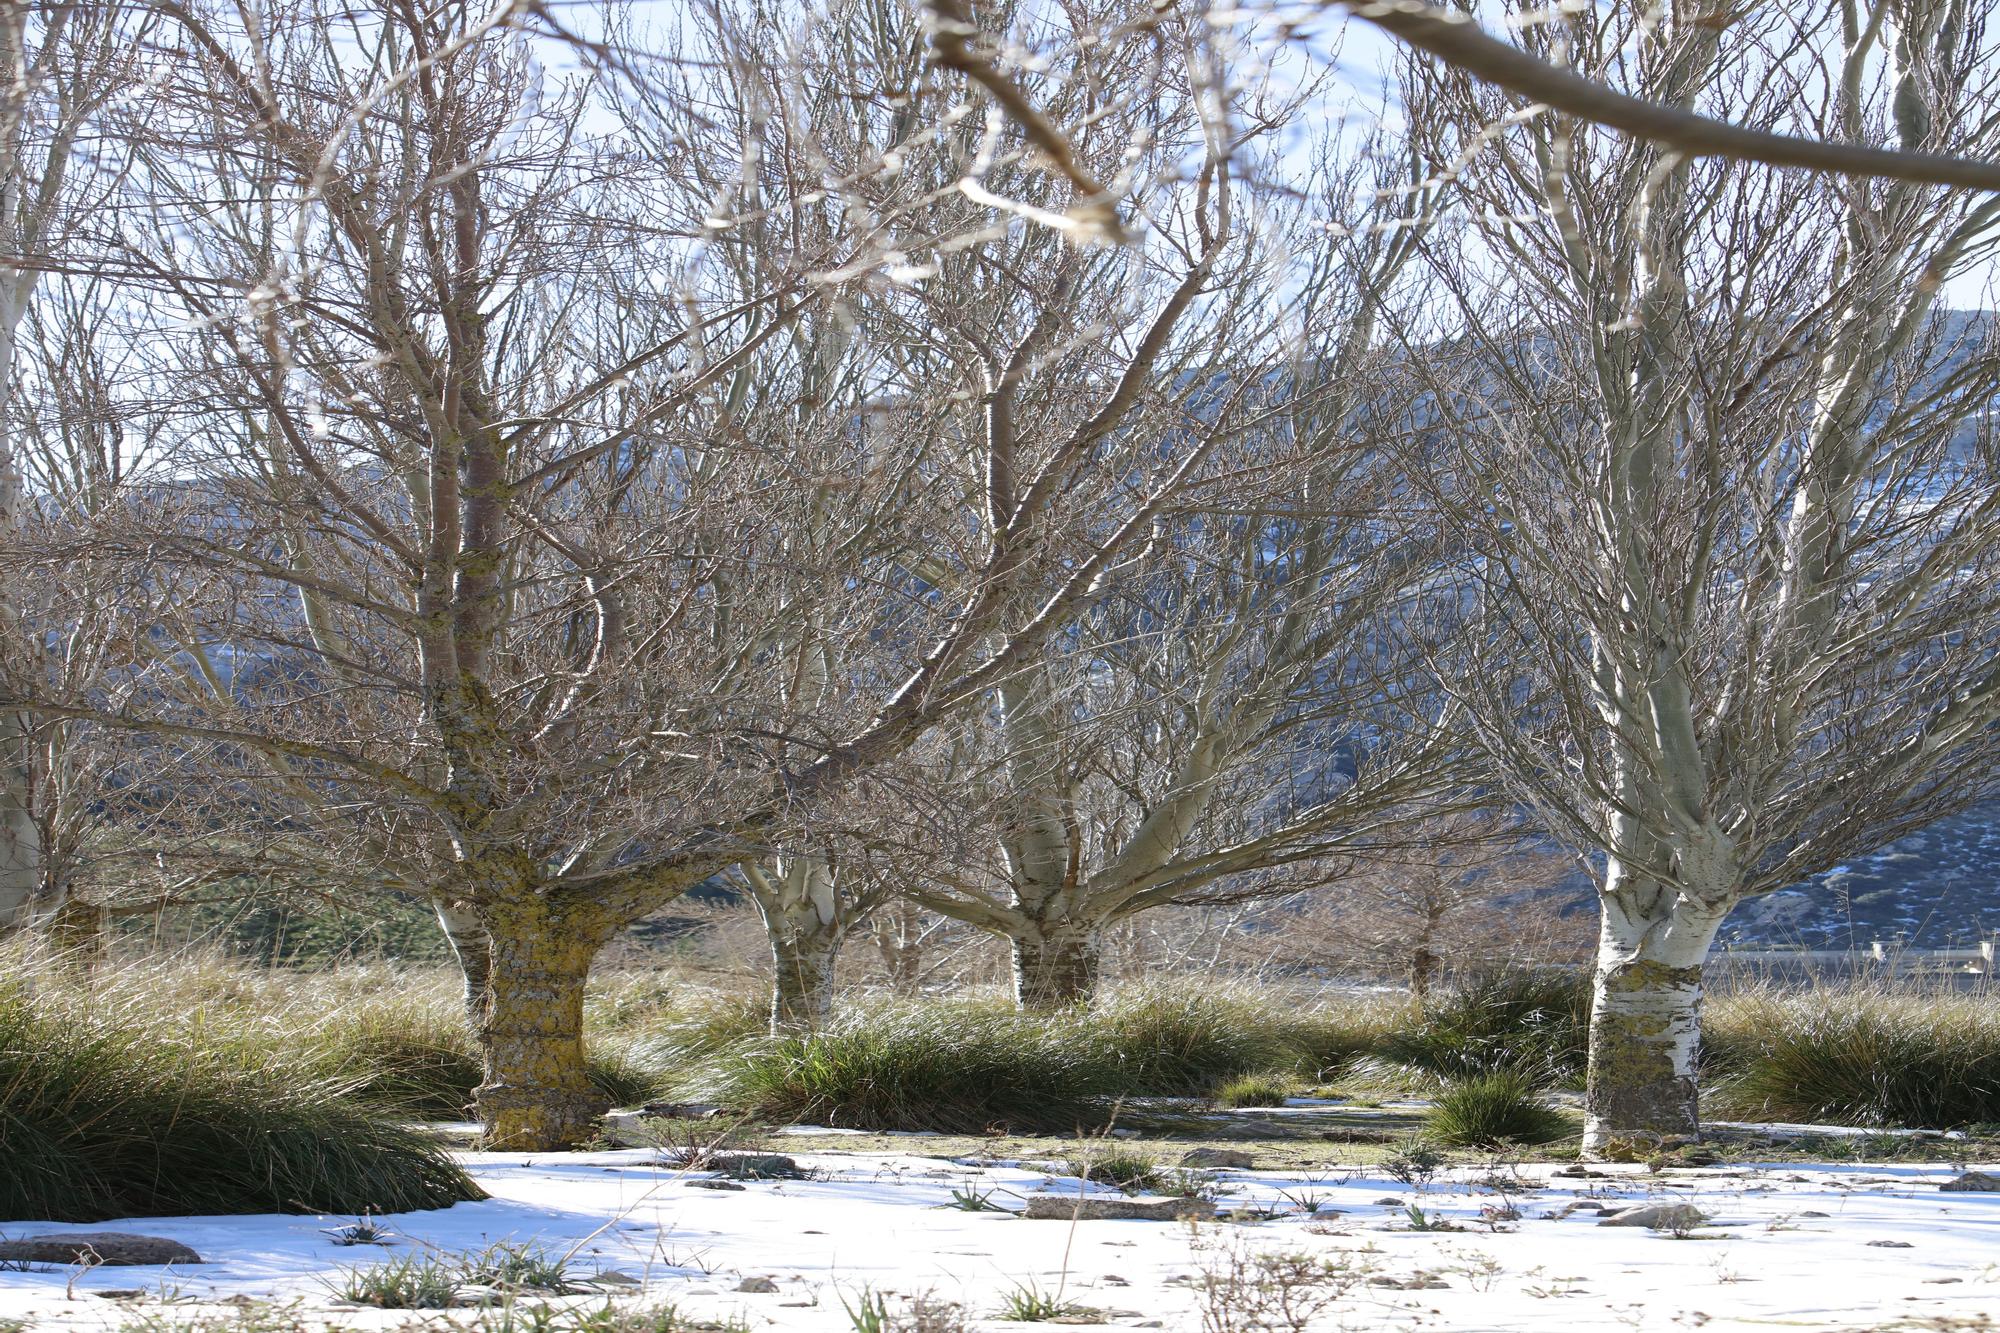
(802, 995)
(1645, 1022)
(474, 953)
(806, 922)
(1057, 965)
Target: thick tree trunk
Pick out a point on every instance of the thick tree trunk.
(469, 946)
(1645, 1027)
(1056, 967)
(802, 995)
(537, 1095)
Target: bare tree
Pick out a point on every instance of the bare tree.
(518, 462)
(60, 68)
(1728, 473)
(1245, 701)
(1474, 896)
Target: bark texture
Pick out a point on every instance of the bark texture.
(1645, 1031)
(474, 954)
(802, 995)
(537, 1095)
(807, 915)
(1054, 969)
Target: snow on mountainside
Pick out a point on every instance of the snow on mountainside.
(1936, 889)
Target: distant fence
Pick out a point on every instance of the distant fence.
(1968, 966)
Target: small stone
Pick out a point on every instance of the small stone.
(1972, 1181)
(1812, 1212)
(681, 1110)
(640, 1128)
(1059, 1207)
(1892, 1245)
(716, 1185)
(757, 1286)
(1390, 1202)
(611, 1277)
(1658, 1217)
(1230, 1159)
(109, 1249)
(756, 1166)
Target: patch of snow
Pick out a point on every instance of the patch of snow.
(1789, 1245)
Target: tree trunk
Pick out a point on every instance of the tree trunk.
(469, 946)
(899, 938)
(1423, 969)
(537, 1095)
(20, 839)
(1056, 967)
(1645, 1027)
(802, 995)
(77, 931)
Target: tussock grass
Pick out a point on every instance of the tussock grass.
(1133, 1172)
(1858, 1054)
(1491, 1109)
(393, 1037)
(959, 1069)
(971, 1066)
(115, 1108)
(1182, 1040)
(1536, 1024)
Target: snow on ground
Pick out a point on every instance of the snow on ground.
(1823, 1247)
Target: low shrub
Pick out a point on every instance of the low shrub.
(1857, 1056)
(110, 1111)
(1487, 1110)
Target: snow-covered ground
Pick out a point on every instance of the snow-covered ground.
(1825, 1247)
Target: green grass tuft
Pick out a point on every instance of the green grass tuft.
(414, 1282)
(1491, 1109)
(1857, 1056)
(1135, 1173)
(1183, 1040)
(958, 1069)
(108, 1110)
(1535, 1023)
(1254, 1090)
(1030, 1305)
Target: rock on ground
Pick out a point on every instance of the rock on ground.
(1062, 1207)
(1658, 1216)
(106, 1248)
(1973, 1181)
(1228, 1158)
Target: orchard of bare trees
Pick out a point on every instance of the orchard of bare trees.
(1031, 465)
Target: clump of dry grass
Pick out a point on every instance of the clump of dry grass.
(1868, 1051)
